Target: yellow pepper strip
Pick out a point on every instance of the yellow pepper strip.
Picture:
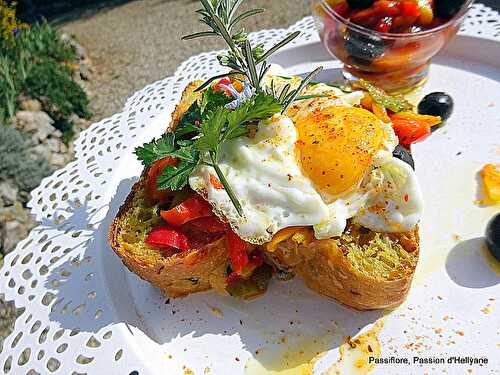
(380, 112)
(285, 234)
(421, 119)
(426, 13)
(490, 175)
(367, 101)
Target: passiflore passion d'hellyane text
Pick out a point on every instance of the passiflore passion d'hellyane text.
(452, 360)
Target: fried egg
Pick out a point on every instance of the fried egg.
(325, 161)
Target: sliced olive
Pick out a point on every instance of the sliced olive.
(448, 8)
(360, 4)
(403, 154)
(363, 49)
(493, 236)
(436, 104)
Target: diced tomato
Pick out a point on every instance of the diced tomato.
(165, 236)
(409, 9)
(210, 224)
(214, 181)
(384, 25)
(219, 87)
(410, 131)
(192, 208)
(152, 192)
(342, 9)
(237, 252)
(380, 9)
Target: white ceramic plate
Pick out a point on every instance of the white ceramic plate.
(452, 309)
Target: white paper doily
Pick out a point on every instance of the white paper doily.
(68, 325)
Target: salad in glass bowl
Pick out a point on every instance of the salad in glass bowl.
(388, 42)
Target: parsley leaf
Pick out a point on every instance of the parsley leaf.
(176, 177)
(156, 150)
(260, 107)
(213, 99)
(187, 124)
(264, 106)
(211, 130)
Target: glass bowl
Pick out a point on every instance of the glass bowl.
(392, 61)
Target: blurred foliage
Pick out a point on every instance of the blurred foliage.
(16, 163)
(59, 95)
(9, 24)
(36, 62)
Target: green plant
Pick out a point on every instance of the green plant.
(35, 61)
(16, 163)
(60, 96)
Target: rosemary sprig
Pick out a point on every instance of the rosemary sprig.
(241, 57)
(286, 96)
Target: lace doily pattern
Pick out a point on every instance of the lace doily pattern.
(68, 325)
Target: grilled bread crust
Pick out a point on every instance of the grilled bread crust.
(325, 267)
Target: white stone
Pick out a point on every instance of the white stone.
(58, 160)
(32, 105)
(53, 144)
(8, 193)
(36, 122)
(40, 151)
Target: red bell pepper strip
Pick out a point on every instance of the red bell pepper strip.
(209, 224)
(238, 256)
(192, 208)
(152, 192)
(165, 236)
(379, 9)
(410, 131)
(342, 10)
(409, 9)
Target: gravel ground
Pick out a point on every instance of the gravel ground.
(137, 43)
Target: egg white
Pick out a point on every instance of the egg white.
(264, 175)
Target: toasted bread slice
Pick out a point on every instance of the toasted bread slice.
(362, 269)
(176, 275)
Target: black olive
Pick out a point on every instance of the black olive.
(448, 8)
(403, 154)
(363, 49)
(493, 236)
(360, 4)
(436, 104)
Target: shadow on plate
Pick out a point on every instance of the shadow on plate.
(467, 265)
(91, 291)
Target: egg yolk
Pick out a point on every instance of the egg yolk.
(336, 146)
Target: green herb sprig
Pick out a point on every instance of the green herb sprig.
(208, 124)
(219, 126)
(241, 57)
